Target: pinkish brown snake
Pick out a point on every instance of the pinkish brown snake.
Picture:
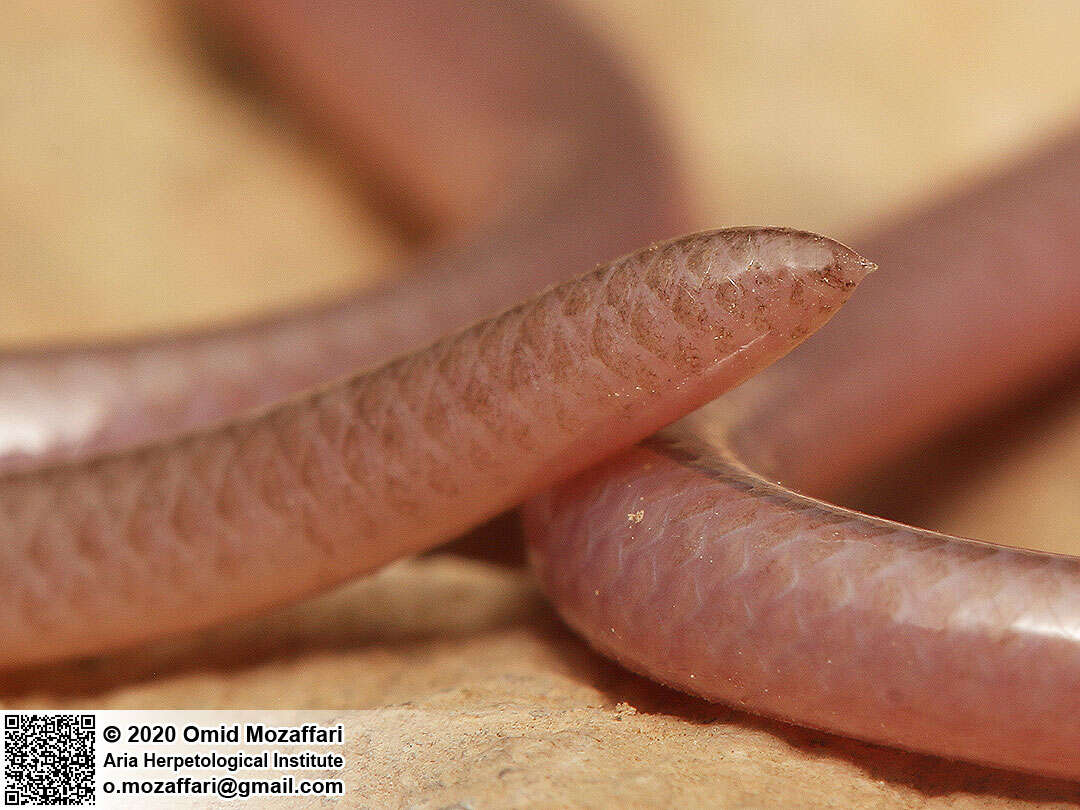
(682, 557)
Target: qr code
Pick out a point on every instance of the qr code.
(49, 759)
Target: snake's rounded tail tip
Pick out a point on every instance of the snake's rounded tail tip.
(857, 266)
(849, 265)
(867, 266)
(862, 268)
(838, 264)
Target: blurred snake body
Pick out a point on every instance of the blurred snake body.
(159, 486)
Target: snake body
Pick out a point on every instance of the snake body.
(159, 486)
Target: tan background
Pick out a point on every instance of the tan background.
(138, 189)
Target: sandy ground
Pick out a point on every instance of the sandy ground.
(138, 189)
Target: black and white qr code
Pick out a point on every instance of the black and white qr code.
(48, 759)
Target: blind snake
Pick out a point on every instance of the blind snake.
(160, 485)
